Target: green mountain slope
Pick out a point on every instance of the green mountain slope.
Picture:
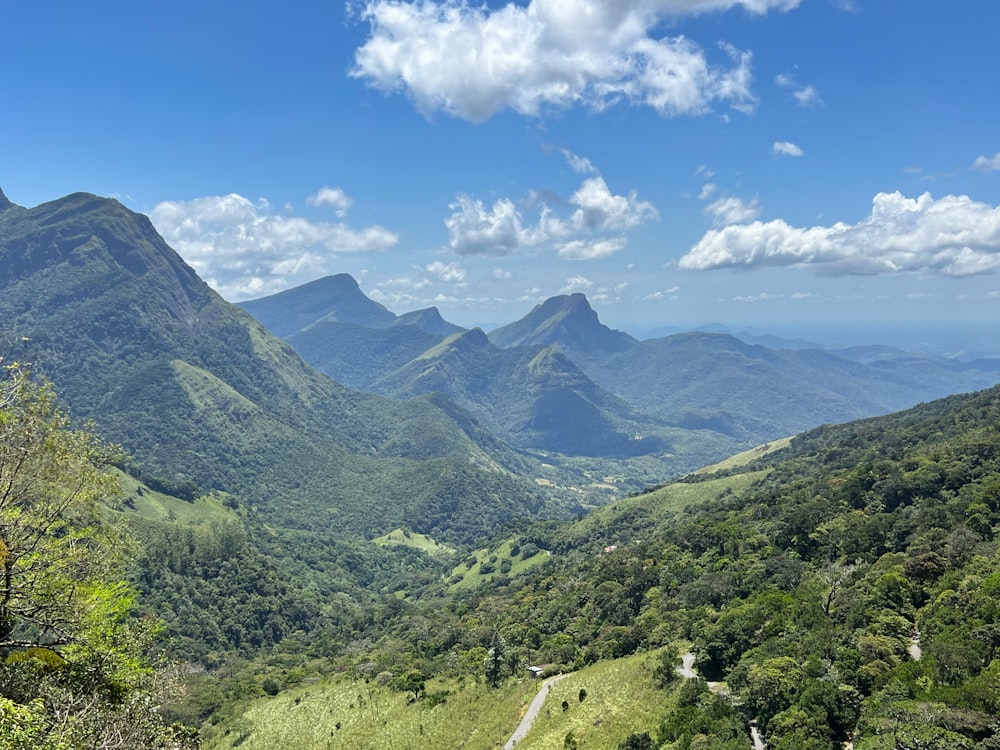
(199, 392)
(534, 396)
(356, 355)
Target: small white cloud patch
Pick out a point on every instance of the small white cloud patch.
(987, 163)
(726, 211)
(592, 229)
(786, 148)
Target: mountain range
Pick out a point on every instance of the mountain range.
(361, 420)
(737, 391)
(202, 396)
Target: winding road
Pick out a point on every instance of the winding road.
(532, 713)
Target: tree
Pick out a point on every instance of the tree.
(72, 666)
(54, 554)
(497, 660)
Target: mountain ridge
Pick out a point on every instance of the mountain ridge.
(198, 390)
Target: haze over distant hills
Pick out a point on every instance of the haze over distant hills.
(700, 382)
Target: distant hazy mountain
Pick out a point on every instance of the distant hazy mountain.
(330, 299)
(567, 321)
(429, 320)
(358, 356)
(717, 382)
(532, 395)
(199, 392)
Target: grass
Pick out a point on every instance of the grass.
(139, 500)
(403, 538)
(463, 576)
(604, 524)
(742, 459)
(372, 717)
(621, 698)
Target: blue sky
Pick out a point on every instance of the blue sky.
(764, 162)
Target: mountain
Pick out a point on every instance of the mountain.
(203, 396)
(748, 391)
(842, 587)
(719, 382)
(331, 298)
(358, 356)
(534, 396)
(429, 320)
(567, 321)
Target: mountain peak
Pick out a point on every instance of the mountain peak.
(4, 201)
(567, 321)
(336, 298)
(429, 320)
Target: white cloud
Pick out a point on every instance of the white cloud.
(476, 231)
(472, 62)
(243, 250)
(727, 211)
(762, 297)
(502, 274)
(592, 249)
(448, 272)
(582, 234)
(579, 164)
(786, 148)
(334, 198)
(576, 284)
(707, 191)
(952, 236)
(805, 96)
(987, 163)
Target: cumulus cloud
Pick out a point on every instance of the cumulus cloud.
(448, 272)
(786, 148)
(591, 249)
(726, 211)
(707, 191)
(951, 236)
(472, 62)
(334, 198)
(987, 163)
(582, 234)
(243, 249)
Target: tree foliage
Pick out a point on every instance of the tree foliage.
(72, 666)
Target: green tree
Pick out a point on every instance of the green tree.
(69, 651)
(497, 659)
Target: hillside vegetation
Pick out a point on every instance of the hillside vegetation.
(846, 587)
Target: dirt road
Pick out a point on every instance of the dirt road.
(532, 713)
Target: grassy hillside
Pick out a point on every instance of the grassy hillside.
(620, 698)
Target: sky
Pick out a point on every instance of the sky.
(778, 164)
